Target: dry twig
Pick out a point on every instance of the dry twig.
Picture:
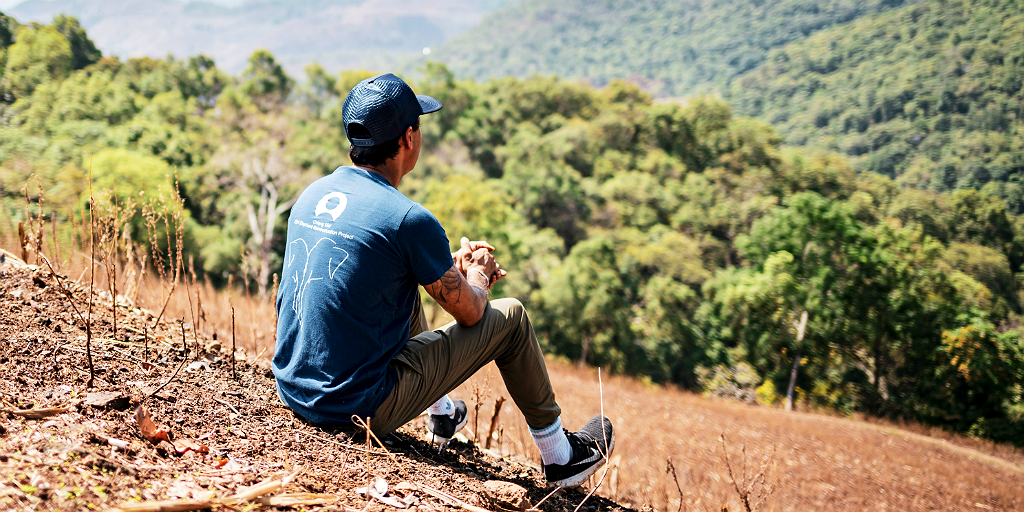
(494, 421)
(92, 279)
(604, 435)
(184, 359)
(451, 500)
(671, 468)
(62, 288)
(755, 489)
(233, 374)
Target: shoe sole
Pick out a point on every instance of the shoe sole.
(581, 477)
(436, 439)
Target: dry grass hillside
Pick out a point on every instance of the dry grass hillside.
(812, 461)
(676, 450)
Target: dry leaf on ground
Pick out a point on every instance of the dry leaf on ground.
(184, 445)
(148, 428)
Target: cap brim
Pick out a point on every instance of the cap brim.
(428, 104)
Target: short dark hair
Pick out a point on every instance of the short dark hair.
(373, 155)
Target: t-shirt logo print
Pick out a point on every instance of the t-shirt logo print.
(305, 273)
(321, 207)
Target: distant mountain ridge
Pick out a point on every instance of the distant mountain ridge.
(339, 34)
(931, 95)
(670, 47)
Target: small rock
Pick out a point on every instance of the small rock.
(197, 366)
(107, 399)
(506, 495)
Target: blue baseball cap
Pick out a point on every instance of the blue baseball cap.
(385, 105)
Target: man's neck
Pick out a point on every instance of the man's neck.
(388, 172)
(395, 168)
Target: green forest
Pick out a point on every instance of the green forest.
(930, 95)
(677, 242)
(672, 48)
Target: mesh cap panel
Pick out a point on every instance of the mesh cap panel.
(385, 105)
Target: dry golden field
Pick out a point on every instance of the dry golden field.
(820, 462)
(795, 461)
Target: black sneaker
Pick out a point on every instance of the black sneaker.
(443, 427)
(590, 449)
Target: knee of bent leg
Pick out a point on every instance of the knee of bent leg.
(513, 309)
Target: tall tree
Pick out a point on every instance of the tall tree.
(265, 81)
(320, 89)
(83, 51)
(40, 55)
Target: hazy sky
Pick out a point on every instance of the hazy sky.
(352, 34)
(7, 4)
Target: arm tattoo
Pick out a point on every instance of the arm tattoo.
(449, 287)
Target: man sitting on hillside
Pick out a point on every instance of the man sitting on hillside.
(352, 339)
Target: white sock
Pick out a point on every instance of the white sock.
(443, 405)
(552, 443)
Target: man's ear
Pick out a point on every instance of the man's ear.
(406, 140)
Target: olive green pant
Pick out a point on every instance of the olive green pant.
(435, 362)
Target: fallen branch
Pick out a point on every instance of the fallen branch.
(37, 414)
(268, 486)
(349, 446)
(449, 499)
(298, 499)
(166, 506)
(224, 402)
(265, 487)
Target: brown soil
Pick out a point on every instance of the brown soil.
(67, 462)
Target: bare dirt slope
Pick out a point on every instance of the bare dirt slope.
(84, 449)
(67, 462)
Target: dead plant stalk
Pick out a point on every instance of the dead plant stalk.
(233, 374)
(604, 435)
(184, 359)
(92, 279)
(746, 488)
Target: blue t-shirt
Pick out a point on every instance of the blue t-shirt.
(357, 248)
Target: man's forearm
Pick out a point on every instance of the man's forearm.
(480, 284)
(464, 297)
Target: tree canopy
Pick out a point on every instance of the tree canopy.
(672, 48)
(929, 95)
(673, 241)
